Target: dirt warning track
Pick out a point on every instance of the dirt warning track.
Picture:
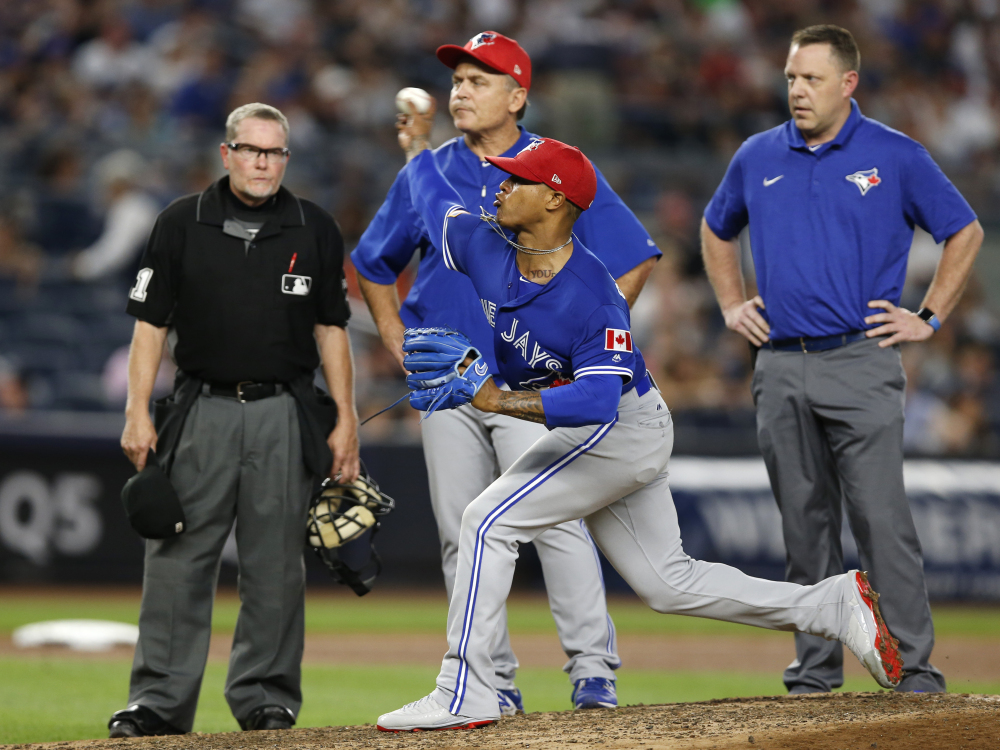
(822, 722)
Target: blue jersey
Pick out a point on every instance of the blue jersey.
(831, 227)
(543, 335)
(440, 297)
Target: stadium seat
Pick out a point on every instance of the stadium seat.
(32, 357)
(45, 328)
(110, 328)
(106, 332)
(14, 299)
(77, 390)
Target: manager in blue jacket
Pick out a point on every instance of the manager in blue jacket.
(465, 449)
(831, 198)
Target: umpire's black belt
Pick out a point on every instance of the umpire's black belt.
(814, 344)
(245, 390)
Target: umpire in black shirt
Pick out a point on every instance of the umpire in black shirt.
(245, 283)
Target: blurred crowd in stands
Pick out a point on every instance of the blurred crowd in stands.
(109, 109)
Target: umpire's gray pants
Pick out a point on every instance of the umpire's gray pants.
(466, 450)
(830, 427)
(239, 462)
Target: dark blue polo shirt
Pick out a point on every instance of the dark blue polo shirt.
(831, 228)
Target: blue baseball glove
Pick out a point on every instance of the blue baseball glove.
(434, 357)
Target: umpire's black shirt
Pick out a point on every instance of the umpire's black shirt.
(243, 304)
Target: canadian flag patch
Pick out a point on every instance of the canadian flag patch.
(617, 340)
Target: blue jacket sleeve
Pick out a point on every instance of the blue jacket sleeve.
(726, 214)
(612, 232)
(440, 205)
(592, 400)
(392, 236)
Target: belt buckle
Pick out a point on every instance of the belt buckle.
(239, 390)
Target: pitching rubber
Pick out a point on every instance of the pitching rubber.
(885, 644)
(470, 725)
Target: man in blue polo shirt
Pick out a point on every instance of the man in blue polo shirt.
(831, 198)
(465, 449)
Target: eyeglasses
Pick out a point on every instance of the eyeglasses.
(246, 152)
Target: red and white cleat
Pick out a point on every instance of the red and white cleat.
(866, 634)
(427, 715)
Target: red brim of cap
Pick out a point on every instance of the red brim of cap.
(514, 166)
(451, 55)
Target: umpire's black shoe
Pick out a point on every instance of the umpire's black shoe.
(138, 721)
(269, 717)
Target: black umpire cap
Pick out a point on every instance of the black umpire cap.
(151, 503)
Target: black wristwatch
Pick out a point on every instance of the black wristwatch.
(929, 317)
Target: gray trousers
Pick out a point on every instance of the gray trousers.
(614, 476)
(466, 450)
(243, 463)
(830, 427)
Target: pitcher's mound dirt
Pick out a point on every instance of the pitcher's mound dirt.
(822, 722)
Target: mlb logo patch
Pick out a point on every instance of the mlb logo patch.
(617, 340)
(866, 179)
(297, 285)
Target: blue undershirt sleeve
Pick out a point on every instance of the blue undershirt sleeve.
(590, 400)
(440, 205)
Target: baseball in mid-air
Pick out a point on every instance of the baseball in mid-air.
(413, 101)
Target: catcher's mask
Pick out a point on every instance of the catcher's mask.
(343, 520)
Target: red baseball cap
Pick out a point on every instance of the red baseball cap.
(561, 167)
(493, 50)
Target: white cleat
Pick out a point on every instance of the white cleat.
(426, 715)
(866, 634)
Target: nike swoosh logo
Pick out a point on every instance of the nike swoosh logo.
(768, 183)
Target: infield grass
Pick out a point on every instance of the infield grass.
(387, 611)
(45, 699)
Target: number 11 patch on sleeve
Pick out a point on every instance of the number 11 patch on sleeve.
(617, 340)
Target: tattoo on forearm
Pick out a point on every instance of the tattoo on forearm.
(523, 405)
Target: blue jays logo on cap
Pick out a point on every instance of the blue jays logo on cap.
(866, 179)
(480, 39)
(532, 146)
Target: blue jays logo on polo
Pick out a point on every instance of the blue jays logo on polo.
(866, 179)
(480, 39)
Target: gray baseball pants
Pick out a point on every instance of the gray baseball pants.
(830, 427)
(466, 450)
(243, 463)
(614, 476)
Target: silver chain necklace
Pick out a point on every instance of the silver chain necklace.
(495, 226)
